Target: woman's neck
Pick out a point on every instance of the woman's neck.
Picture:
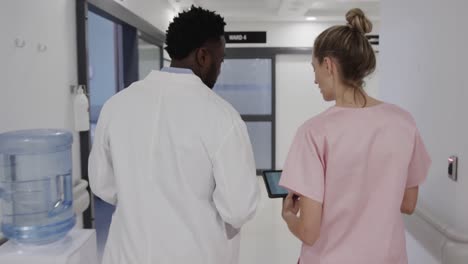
(360, 100)
(351, 97)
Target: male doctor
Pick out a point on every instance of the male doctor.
(175, 158)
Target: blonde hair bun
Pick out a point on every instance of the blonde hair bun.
(357, 20)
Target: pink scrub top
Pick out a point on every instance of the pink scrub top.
(357, 162)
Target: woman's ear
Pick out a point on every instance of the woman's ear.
(328, 65)
(332, 66)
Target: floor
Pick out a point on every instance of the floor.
(265, 239)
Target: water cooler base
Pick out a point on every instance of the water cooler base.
(78, 247)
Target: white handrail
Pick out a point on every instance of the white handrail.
(447, 231)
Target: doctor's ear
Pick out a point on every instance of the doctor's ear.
(201, 56)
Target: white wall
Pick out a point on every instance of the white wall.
(423, 59)
(427, 51)
(34, 86)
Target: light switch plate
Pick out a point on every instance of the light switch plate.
(453, 168)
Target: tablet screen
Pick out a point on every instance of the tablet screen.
(272, 179)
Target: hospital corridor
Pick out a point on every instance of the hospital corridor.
(233, 132)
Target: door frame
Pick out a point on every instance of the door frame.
(117, 13)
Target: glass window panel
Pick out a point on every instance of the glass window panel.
(260, 136)
(102, 64)
(149, 58)
(247, 85)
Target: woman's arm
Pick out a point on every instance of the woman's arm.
(410, 200)
(304, 217)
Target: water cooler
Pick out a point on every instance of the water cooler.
(36, 196)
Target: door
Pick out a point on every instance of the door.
(247, 82)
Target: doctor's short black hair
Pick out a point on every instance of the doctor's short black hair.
(191, 29)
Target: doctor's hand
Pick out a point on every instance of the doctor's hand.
(290, 206)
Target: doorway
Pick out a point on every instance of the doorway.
(115, 48)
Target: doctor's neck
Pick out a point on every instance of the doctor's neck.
(186, 63)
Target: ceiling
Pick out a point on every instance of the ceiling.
(282, 10)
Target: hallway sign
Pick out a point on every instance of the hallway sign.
(245, 37)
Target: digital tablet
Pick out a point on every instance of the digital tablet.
(272, 178)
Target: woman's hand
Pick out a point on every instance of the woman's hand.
(306, 225)
(290, 206)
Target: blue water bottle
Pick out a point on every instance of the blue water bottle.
(36, 185)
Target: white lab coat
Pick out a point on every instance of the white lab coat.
(177, 162)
